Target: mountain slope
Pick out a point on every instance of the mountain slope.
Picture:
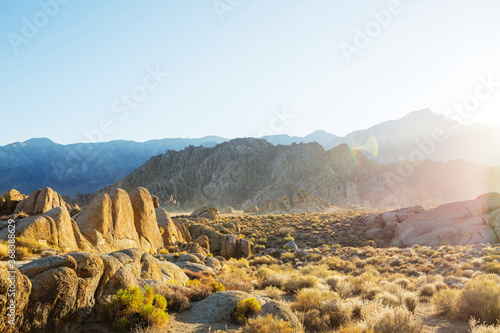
(81, 167)
(250, 171)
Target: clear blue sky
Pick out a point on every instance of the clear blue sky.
(229, 72)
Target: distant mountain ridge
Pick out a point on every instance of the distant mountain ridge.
(246, 172)
(80, 167)
(88, 167)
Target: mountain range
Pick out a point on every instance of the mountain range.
(247, 172)
(88, 167)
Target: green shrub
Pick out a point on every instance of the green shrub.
(216, 287)
(245, 309)
(132, 308)
(445, 302)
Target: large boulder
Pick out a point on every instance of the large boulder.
(458, 223)
(54, 228)
(219, 307)
(9, 200)
(59, 293)
(11, 277)
(41, 201)
(108, 222)
(145, 219)
(52, 300)
(227, 246)
(280, 310)
(96, 222)
(173, 232)
(208, 212)
(124, 233)
(172, 273)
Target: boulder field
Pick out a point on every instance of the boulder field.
(60, 293)
(458, 223)
(114, 221)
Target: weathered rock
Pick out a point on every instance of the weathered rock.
(124, 233)
(66, 239)
(458, 223)
(41, 201)
(195, 267)
(39, 266)
(96, 222)
(89, 269)
(145, 219)
(188, 257)
(203, 241)
(219, 307)
(291, 245)
(9, 200)
(193, 248)
(37, 228)
(156, 202)
(281, 311)
(208, 212)
(213, 263)
(22, 286)
(52, 300)
(172, 232)
(149, 268)
(227, 246)
(172, 272)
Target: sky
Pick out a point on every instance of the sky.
(80, 71)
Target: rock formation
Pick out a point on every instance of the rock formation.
(54, 228)
(145, 219)
(57, 293)
(458, 223)
(227, 246)
(208, 212)
(9, 201)
(172, 231)
(41, 201)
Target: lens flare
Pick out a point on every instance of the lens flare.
(370, 146)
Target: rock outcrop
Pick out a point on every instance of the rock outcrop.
(145, 219)
(458, 223)
(41, 201)
(57, 293)
(207, 212)
(172, 231)
(54, 228)
(227, 246)
(9, 200)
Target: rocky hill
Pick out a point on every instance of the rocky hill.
(245, 172)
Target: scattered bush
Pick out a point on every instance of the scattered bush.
(245, 309)
(132, 308)
(267, 324)
(297, 282)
